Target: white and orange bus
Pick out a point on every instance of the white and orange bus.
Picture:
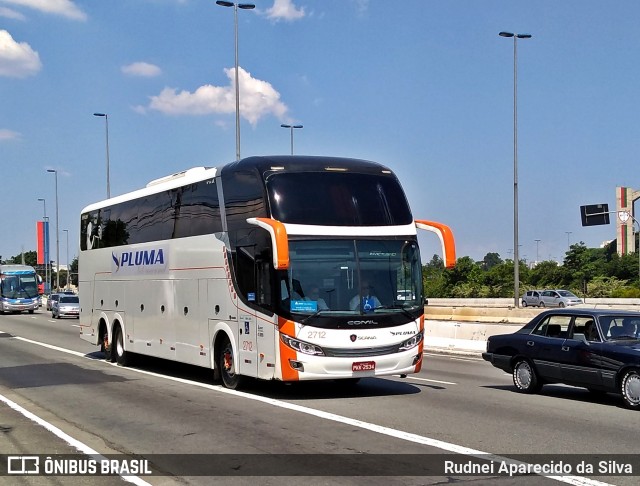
(258, 268)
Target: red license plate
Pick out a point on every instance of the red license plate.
(363, 366)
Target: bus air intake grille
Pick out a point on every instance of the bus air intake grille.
(360, 352)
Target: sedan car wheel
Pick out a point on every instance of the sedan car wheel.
(525, 378)
(541, 304)
(524, 303)
(561, 304)
(630, 388)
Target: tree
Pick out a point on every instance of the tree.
(433, 278)
(30, 258)
(490, 260)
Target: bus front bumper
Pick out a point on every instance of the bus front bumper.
(322, 367)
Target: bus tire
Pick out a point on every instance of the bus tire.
(227, 363)
(105, 345)
(122, 357)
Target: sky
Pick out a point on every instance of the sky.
(424, 87)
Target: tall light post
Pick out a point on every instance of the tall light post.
(537, 252)
(106, 124)
(291, 127)
(46, 252)
(67, 231)
(516, 262)
(54, 171)
(568, 240)
(236, 6)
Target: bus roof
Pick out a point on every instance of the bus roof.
(260, 164)
(16, 269)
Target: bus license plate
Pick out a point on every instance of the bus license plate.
(363, 366)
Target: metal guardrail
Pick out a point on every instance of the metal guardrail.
(508, 302)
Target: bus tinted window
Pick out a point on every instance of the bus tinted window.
(337, 199)
(191, 210)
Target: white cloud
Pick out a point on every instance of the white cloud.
(143, 69)
(11, 14)
(6, 134)
(17, 59)
(65, 8)
(362, 6)
(285, 10)
(257, 99)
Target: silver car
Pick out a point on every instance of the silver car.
(531, 298)
(558, 298)
(66, 306)
(51, 299)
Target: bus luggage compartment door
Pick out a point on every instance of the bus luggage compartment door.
(247, 344)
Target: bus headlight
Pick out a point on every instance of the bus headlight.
(301, 346)
(412, 342)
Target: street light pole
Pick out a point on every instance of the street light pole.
(291, 127)
(54, 171)
(46, 252)
(67, 231)
(244, 6)
(537, 252)
(106, 124)
(568, 241)
(516, 262)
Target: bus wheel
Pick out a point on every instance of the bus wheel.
(122, 357)
(105, 346)
(228, 364)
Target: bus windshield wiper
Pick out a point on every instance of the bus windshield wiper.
(395, 307)
(317, 313)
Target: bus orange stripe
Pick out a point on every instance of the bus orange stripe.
(286, 353)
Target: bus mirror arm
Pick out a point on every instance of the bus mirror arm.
(279, 240)
(446, 239)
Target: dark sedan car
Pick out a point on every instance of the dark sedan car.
(595, 349)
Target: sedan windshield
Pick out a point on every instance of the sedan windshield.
(621, 327)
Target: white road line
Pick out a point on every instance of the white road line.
(431, 381)
(85, 449)
(456, 358)
(380, 429)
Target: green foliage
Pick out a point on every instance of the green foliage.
(30, 258)
(600, 270)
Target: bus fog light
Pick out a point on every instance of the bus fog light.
(416, 359)
(296, 365)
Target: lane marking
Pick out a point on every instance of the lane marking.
(380, 429)
(457, 358)
(80, 446)
(431, 381)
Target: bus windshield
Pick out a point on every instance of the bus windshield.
(352, 277)
(19, 286)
